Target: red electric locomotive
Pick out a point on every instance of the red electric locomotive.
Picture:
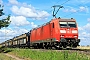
(56, 33)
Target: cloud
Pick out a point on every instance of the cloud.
(78, 2)
(1, 2)
(33, 25)
(66, 10)
(87, 27)
(13, 2)
(26, 10)
(9, 33)
(19, 21)
(82, 1)
(84, 37)
(70, 10)
(84, 9)
(80, 28)
(84, 34)
(85, 30)
(21, 31)
(88, 19)
(74, 10)
(29, 12)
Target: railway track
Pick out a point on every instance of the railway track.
(85, 51)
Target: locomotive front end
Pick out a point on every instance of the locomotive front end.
(69, 33)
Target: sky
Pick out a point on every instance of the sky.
(28, 14)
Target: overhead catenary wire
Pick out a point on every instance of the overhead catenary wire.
(74, 12)
(63, 2)
(56, 4)
(70, 13)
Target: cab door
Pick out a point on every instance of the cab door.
(52, 31)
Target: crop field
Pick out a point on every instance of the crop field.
(32, 54)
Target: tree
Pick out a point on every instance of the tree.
(6, 21)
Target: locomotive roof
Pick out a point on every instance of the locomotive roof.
(60, 19)
(67, 20)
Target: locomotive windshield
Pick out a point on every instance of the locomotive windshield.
(67, 24)
(72, 24)
(63, 24)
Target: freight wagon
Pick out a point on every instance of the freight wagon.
(21, 41)
(18, 41)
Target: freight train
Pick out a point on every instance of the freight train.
(57, 33)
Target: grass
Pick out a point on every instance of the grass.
(29, 54)
(4, 57)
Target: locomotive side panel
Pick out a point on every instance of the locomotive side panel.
(38, 34)
(46, 32)
(33, 35)
(41, 34)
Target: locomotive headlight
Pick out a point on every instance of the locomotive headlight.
(76, 36)
(62, 31)
(62, 35)
(74, 31)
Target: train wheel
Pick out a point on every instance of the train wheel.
(41, 45)
(75, 45)
(46, 47)
(51, 44)
(64, 45)
(38, 46)
(56, 47)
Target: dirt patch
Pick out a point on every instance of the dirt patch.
(12, 56)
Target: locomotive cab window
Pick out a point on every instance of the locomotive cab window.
(72, 24)
(63, 24)
(67, 24)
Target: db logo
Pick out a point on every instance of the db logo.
(68, 31)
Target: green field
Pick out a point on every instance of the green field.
(29, 54)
